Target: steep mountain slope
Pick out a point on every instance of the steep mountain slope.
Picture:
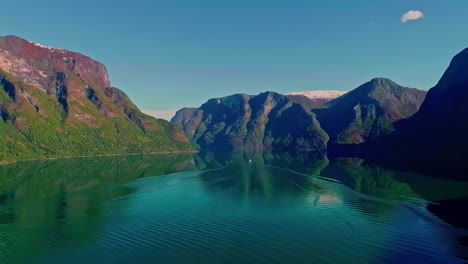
(307, 102)
(56, 103)
(183, 115)
(438, 131)
(368, 111)
(266, 121)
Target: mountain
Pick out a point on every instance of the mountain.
(319, 96)
(437, 133)
(369, 111)
(307, 102)
(183, 115)
(56, 103)
(265, 121)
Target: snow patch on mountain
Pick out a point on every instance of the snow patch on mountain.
(319, 94)
(46, 47)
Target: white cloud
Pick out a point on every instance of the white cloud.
(164, 114)
(412, 15)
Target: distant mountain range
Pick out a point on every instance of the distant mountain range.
(266, 121)
(299, 122)
(379, 120)
(56, 103)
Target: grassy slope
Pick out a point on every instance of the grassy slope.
(29, 134)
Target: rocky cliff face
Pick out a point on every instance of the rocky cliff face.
(40, 66)
(55, 103)
(183, 115)
(266, 121)
(369, 111)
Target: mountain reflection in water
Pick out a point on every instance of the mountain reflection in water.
(230, 207)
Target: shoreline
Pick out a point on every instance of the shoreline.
(2, 163)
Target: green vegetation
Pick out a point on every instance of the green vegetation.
(27, 180)
(375, 181)
(35, 126)
(268, 121)
(392, 184)
(68, 197)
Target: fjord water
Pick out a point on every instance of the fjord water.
(268, 208)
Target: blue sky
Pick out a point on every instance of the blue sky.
(174, 53)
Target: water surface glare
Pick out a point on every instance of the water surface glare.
(242, 213)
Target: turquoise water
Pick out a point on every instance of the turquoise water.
(206, 209)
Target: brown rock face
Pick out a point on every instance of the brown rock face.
(69, 76)
(42, 66)
(55, 102)
(183, 115)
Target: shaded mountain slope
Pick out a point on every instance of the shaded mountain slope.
(369, 111)
(438, 131)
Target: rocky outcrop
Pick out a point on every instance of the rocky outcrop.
(183, 115)
(55, 103)
(40, 66)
